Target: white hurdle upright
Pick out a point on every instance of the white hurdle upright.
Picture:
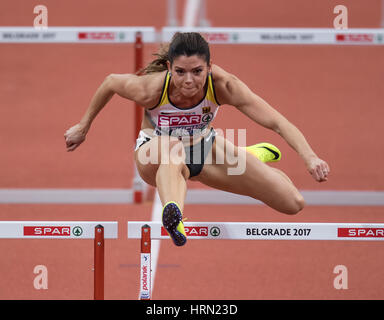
(97, 230)
(146, 231)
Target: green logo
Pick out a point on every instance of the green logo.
(215, 231)
(77, 231)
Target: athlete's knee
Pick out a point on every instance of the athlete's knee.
(147, 172)
(296, 204)
(172, 169)
(173, 158)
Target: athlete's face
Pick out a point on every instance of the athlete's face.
(189, 74)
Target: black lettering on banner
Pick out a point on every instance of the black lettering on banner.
(302, 232)
(278, 232)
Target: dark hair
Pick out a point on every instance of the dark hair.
(186, 43)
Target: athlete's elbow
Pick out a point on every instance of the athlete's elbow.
(112, 79)
(109, 81)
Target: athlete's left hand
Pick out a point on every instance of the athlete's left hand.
(318, 169)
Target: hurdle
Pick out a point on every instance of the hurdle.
(146, 231)
(97, 230)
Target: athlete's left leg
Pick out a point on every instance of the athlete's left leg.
(257, 180)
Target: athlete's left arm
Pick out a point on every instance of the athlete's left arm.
(230, 90)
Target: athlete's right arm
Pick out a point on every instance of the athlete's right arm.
(128, 86)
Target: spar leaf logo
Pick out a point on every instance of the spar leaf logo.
(215, 231)
(207, 117)
(121, 36)
(77, 231)
(235, 37)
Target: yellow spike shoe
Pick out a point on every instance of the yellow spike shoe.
(173, 222)
(265, 152)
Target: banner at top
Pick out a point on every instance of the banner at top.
(297, 36)
(76, 34)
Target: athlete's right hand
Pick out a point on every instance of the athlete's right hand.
(74, 136)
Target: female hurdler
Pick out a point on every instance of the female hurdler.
(180, 92)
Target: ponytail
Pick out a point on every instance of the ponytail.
(160, 63)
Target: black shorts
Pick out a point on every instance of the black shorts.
(195, 155)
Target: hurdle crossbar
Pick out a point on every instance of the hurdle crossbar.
(76, 34)
(146, 231)
(283, 36)
(265, 231)
(97, 230)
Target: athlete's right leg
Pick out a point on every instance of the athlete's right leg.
(160, 163)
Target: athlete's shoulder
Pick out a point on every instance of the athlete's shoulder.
(155, 79)
(153, 85)
(224, 82)
(218, 73)
(222, 77)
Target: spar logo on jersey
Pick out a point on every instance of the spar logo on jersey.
(190, 231)
(48, 231)
(178, 120)
(355, 38)
(360, 232)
